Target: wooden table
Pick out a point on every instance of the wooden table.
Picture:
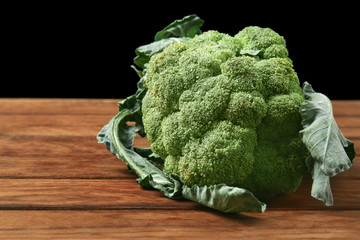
(57, 182)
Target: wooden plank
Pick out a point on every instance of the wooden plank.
(178, 224)
(348, 122)
(56, 146)
(35, 156)
(83, 194)
(52, 125)
(87, 166)
(126, 193)
(81, 167)
(49, 146)
(346, 107)
(62, 157)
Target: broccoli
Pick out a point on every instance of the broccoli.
(227, 120)
(219, 114)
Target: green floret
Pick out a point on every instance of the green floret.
(277, 171)
(222, 109)
(266, 40)
(223, 155)
(277, 76)
(246, 109)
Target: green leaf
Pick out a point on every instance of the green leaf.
(150, 156)
(119, 138)
(188, 27)
(178, 31)
(321, 189)
(224, 198)
(145, 52)
(331, 153)
(322, 136)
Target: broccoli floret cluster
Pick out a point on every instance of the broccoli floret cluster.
(223, 109)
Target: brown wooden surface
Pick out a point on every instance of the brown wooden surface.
(57, 182)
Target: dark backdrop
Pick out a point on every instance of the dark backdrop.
(85, 51)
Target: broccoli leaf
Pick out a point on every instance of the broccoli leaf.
(321, 189)
(331, 153)
(224, 198)
(146, 51)
(178, 31)
(189, 26)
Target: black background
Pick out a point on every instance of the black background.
(85, 50)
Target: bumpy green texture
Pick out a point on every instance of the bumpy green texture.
(219, 114)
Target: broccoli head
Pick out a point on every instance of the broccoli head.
(223, 109)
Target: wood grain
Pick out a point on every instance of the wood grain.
(177, 224)
(125, 193)
(82, 194)
(57, 182)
